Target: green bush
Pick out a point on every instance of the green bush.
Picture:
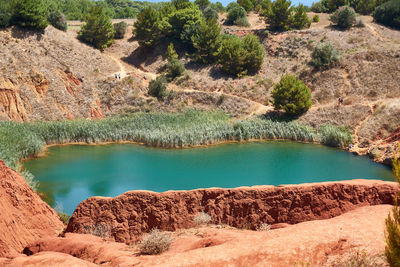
(241, 56)
(365, 7)
(184, 22)
(232, 5)
(335, 136)
(120, 30)
(210, 13)
(280, 15)
(392, 233)
(324, 54)
(58, 20)
(319, 7)
(202, 4)
(158, 87)
(171, 53)
(97, 30)
(149, 28)
(64, 217)
(242, 22)
(218, 6)
(315, 18)
(388, 14)
(246, 4)
(234, 14)
(300, 19)
(291, 95)
(155, 242)
(333, 5)
(5, 13)
(175, 68)
(31, 14)
(206, 41)
(344, 17)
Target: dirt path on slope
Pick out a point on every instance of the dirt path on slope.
(356, 138)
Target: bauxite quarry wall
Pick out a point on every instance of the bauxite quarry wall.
(131, 214)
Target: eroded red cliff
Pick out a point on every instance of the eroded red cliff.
(24, 216)
(128, 216)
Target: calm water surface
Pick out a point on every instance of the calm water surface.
(70, 174)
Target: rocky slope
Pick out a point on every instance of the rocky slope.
(126, 217)
(24, 216)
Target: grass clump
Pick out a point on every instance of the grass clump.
(202, 218)
(359, 258)
(155, 242)
(258, 128)
(335, 136)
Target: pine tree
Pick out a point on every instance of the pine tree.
(300, 19)
(392, 234)
(279, 18)
(149, 27)
(31, 14)
(206, 41)
(98, 30)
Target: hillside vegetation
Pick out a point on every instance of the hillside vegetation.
(50, 75)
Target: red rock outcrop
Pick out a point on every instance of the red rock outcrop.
(24, 216)
(131, 214)
(313, 243)
(11, 105)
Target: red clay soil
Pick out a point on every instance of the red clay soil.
(24, 216)
(316, 243)
(131, 214)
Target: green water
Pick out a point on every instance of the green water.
(70, 174)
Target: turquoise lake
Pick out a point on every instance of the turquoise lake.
(70, 174)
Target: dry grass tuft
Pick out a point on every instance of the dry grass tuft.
(155, 242)
(202, 218)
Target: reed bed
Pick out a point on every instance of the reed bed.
(168, 130)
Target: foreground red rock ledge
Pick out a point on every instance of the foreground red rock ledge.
(131, 214)
(24, 216)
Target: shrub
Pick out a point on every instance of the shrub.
(157, 87)
(171, 52)
(358, 258)
(30, 180)
(315, 18)
(31, 14)
(218, 6)
(202, 4)
(202, 218)
(210, 13)
(5, 13)
(149, 28)
(291, 95)
(365, 7)
(246, 4)
(333, 5)
(264, 227)
(344, 17)
(155, 242)
(58, 20)
(235, 14)
(175, 68)
(335, 136)
(206, 41)
(392, 233)
(241, 56)
(279, 18)
(388, 14)
(242, 22)
(360, 23)
(300, 19)
(64, 217)
(231, 6)
(324, 55)
(120, 30)
(319, 7)
(98, 30)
